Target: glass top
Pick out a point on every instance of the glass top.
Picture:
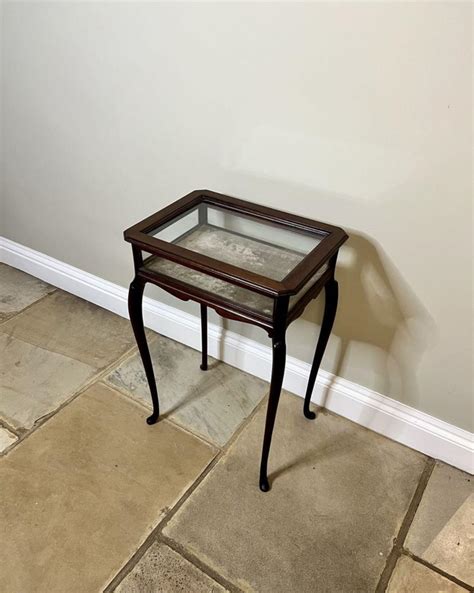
(266, 248)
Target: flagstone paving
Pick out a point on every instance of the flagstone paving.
(339, 494)
(18, 290)
(94, 500)
(411, 577)
(442, 531)
(7, 439)
(81, 494)
(35, 381)
(70, 326)
(211, 403)
(162, 570)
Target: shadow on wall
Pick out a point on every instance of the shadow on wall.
(378, 308)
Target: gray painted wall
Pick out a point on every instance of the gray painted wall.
(355, 114)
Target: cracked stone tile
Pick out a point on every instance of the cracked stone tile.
(18, 290)
(211, 403)
(70, 326)
(339, 495)
(34, 381)
(162, 570)
(7, 438)
(83, 492)
(442, 532)
(412, 577)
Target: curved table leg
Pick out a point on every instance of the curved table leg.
(331, 295)
(135, 298)
(204, 337)
(278, 370)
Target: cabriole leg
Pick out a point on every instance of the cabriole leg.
(204, 337)
(278, 370)
(135, 298)
(331, 296)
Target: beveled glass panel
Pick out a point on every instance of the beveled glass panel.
(266, 248)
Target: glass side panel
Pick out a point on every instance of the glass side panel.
(226, 290)
(268, 249)
(215, 286)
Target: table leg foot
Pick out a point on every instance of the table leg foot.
(153, 419)
(264, 484)
(309, 414)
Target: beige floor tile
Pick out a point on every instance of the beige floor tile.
(211, 403)
(442, 532)
(81, 494)
(18, 290)
(70, 326)
(34, 381)
(339, 495)
(162, 570)
(412, 577)
(6, 439)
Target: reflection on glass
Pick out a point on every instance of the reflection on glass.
(226, 290)
(263, 247)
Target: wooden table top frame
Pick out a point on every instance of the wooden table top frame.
(323, 255)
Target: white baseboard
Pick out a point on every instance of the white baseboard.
(368, 408)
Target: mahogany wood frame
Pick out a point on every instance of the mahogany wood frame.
(280, 291)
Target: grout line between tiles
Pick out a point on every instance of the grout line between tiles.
(399, 540)
(149, 408)
(168, 417)
(157, 535)
(222, 453)
(44, 419)
(198, 563)
(28, 307)
(238, 431)
(162, 417)
(18, 432)
(440, 571)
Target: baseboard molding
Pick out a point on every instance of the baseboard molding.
(368, 408)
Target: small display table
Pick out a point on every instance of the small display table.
(247, 262)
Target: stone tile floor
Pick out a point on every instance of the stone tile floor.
(92, 499)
